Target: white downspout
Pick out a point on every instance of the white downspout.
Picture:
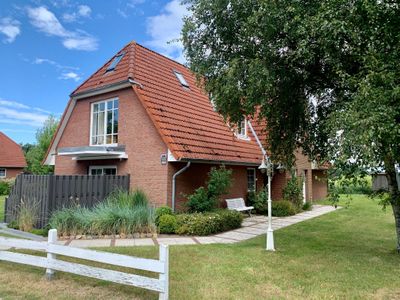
(174, 183)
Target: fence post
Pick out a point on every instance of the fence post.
(52, 239)
(164, 258)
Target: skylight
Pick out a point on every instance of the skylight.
(115, 62)
(181, 79)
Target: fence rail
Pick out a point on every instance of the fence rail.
(52, 264)
(47, 193)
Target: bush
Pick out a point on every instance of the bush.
(293, 191)
(205, 199)
(307, 206)
(120, 213)
(208, 223)
(168, 224)
(283, 208)
(6, 186)
(261, 202)
(161, 211)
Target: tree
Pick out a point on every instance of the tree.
(35, 155)
(324, 74)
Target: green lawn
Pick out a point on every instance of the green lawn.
(2, 200)
(349, 253)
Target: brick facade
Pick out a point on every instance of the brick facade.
(13, 172)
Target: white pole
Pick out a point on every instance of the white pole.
(52, 239)
(270, 231)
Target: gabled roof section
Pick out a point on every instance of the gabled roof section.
(11, 154)
(183, 115)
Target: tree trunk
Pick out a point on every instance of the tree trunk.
(396, 213)
(394, 195)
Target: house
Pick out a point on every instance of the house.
(12, 159)
(142, 114)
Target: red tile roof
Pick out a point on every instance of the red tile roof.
(11, 154)
(184, 117)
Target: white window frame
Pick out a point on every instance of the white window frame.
(181, 79)
(240, 135)
(255, 179)
(105, 122)
(5, 173)
(102, 168)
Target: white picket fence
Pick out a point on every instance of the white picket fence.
(52, 264)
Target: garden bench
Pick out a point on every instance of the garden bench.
(238, 205)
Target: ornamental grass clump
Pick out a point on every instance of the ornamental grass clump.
(121, 213)
(28, 212)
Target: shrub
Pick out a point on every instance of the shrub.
(293, 191)
(208, 223)
(205, 199)
(120, 213)
(200, 202)
(168, 224)
(283, 208)
(307, 206)
(6, 186)
(260, 202)
(27, 215)
(161, 211)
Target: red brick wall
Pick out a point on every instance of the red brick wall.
(144, 145)
(320, 184)
(13, 172)
(196, 176)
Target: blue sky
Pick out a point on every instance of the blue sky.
(47, 48)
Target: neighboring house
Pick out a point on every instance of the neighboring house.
(12, 159)
(142, 114)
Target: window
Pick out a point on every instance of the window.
(104, 123)
(3, 172)
(251, 180)
(115, 62)
(181, 79)
(242, 128)
(102, 170)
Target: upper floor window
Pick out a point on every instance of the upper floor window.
(181, 79)
(104, 123)
(115, 62)
(241, 130)
(3, 173)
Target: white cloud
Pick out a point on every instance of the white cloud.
(83, 11)
(70, 75)
(165, 30)
(12, 112)
(45, 21)
(131, 5)
(40, 61)
(10, 28)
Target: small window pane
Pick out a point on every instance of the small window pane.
(251, 180)
(115, 121)
(115, 62)
(109, 122)
(109, 105)
(110, 171)
(102, 106)
(100, 140)
(94, 124)
(109, 139)
(115, 103)
(115, 139)
(2, 172)
(95, 107)
(181, 79)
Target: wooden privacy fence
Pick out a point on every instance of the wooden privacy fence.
(47, 193)
(52, 264)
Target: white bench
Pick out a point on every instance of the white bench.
(238, 205)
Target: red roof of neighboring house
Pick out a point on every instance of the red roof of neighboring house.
(184, 117)
(11, 154)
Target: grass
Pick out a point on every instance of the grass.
(2, 203)
(349, 253)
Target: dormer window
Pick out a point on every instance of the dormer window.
(241, 129)
(181, 79)
(115, 62)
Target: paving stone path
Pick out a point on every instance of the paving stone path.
(251, 227)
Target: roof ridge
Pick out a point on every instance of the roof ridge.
(132, 57)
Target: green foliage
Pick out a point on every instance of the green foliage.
(261, 202)
(35, 155)
(208, 223)
(353, 185)
(120, 213)
(205, 199)
(167, 224)
(161, 211)
(283, 208)
(293, 191)
(199, 201)
(307, 206)
(6, 186)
